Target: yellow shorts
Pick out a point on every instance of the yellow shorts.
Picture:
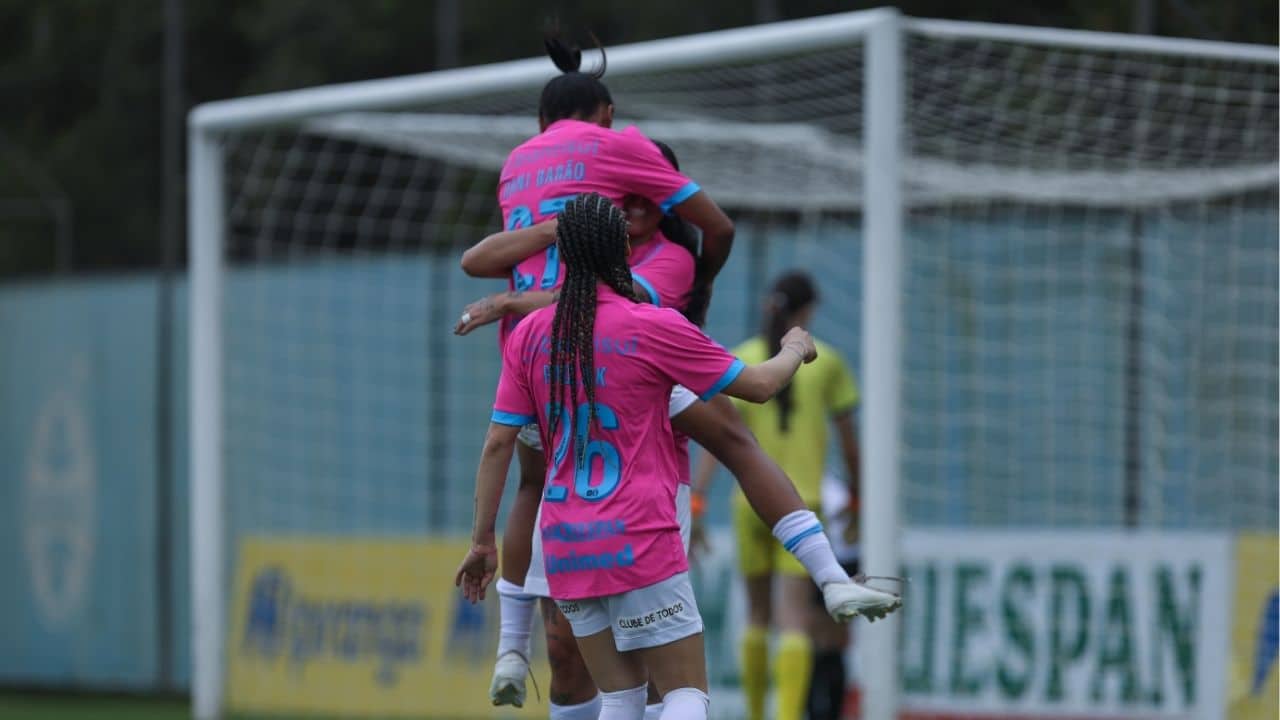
(759, 552)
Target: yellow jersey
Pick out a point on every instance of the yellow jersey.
(821, 390)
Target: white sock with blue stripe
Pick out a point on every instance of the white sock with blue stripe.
(801, 534)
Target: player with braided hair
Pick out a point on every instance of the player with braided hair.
(664, 271)
(572, 330)
(577, 151)
(598, 368)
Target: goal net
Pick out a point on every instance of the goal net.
(1089, 338)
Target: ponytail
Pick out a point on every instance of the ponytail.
(573, 94)
(569, 59)
(791, 293)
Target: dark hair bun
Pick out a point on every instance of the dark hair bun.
(567, 59)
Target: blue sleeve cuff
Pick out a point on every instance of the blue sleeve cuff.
(728, 377)
(680, 196)
(501, 417)
(648, 288)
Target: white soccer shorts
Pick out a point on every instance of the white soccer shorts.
(647, 617)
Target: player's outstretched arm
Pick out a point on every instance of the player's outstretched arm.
(492, 308)
(495, 255)
(481, 563)
(759, 383)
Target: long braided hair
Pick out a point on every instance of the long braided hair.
(591, 234)
(792, 292)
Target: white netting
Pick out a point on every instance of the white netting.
(344, 234)
(1094, 342)
(1090, 279)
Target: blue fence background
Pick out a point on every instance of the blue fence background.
(341, 442)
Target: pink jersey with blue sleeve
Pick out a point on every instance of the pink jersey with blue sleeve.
(609, 524)
(665, 271)
(571, 157)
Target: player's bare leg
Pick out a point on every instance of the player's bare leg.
(774, 499)
(678, 671)
(573, 691)
(621, 676)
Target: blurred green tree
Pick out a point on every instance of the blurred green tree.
(82, 97)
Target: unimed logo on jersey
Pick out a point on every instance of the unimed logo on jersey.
(286, 625)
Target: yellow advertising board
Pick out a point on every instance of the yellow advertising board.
(360, 627)
(1253, 692)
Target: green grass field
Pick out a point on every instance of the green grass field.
(84, 707)
(53, 706)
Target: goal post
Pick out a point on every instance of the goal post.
(208, 127)
(207, 506)
(881, 426)
(1050, 255)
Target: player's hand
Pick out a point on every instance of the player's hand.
(476, 572)
(479, 313)
(800, 339)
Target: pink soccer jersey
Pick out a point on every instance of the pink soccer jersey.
(609, 526)
(665, 270)
(571, 157)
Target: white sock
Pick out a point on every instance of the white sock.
(624, 704)
(515, 613)
(685, 704)
(653, 712)
(589, 710)
(801, 534)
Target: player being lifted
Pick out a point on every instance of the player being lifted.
(595, 373)
(576, 150)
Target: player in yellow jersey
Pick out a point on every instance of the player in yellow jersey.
(793, 429)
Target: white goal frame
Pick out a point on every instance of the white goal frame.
(880, 30)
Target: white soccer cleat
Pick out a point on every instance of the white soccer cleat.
(507, 687)
(846, 601)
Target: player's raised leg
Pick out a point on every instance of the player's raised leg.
(718, 428)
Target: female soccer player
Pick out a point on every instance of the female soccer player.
(577, 151)
(663, 273)
(792, 429)
(595, 372)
